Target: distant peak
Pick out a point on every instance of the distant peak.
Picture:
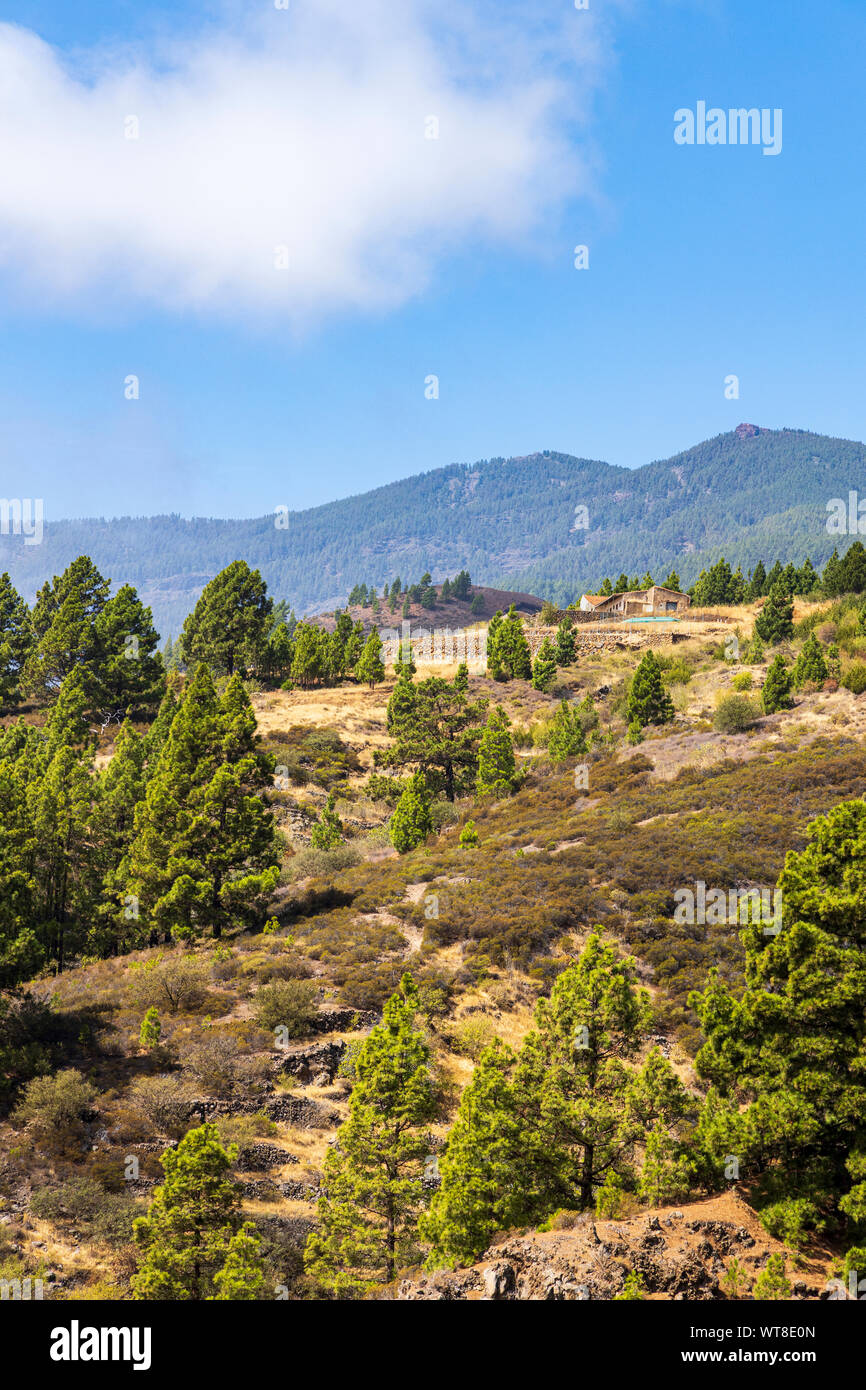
(747, 431)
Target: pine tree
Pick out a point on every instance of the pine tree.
(512, 652)
(468, 838)
(544, 666)
(494, 627)
(543, 1130)
(775, 622)
(205, 849)
(372, 1190)
(401, 705)
(436, 730)
(833, 577)
(14, 642)
(672, 581)
(189, 1236)
(411, 822)
(242, 1277)
(119, 789)
(309, 659)
(461, 679)
(567, 739)
(328, 829)
(63, 628)
(854, 569)
(807, 579)
(151, 1029)
(757, 582)
(754, 653)
(22, 952)
(810, 664)
(571, 1082)
(771, 1283)
(476, 1197)
(497, 771)
(666, 1175)
(648, 700)
(564, 643)
(228, 628)
(157, 734)
(776, 690)
(787, 1056)
(370, 668)
(60, 806)
(129, 674)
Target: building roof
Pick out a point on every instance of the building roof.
(595, 598)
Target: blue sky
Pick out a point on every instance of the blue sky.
(704, 262)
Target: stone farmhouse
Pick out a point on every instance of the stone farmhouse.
(656, 602)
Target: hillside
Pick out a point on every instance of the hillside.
(553, 865)
(750, 494)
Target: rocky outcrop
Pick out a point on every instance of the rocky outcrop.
(678, 1256)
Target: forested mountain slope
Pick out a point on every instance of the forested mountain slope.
(747, 494)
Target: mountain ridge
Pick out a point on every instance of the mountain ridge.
(514, 523)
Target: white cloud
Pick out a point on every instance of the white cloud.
(308, 133)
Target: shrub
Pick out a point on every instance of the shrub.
(31, 1039)
(214, 1063)
(469, 836)
(735, 1281)
(83, 1201)
(734, 714)
(471, 1035)
(322, 863)
(854, 678)
(792, 1220)
(772, 1284)
(163, 1102)
(177, 982)
(289, 1004)
(742, 681)
(56, 1107)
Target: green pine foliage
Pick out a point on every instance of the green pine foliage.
(436, 730)
(411, 822)
(497, 769)
(545, 1128)
(370, 668)
(14, 643)
(648, 700)
(228, 628)
(775, 622)
(205, 849)
(785, 1058)
(565, 642)
(776, 690)
(567, 738)
(193, 1245)
(544, 666)
(372, 1185)
(328, 829)
(508, 654)
(810, 665)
